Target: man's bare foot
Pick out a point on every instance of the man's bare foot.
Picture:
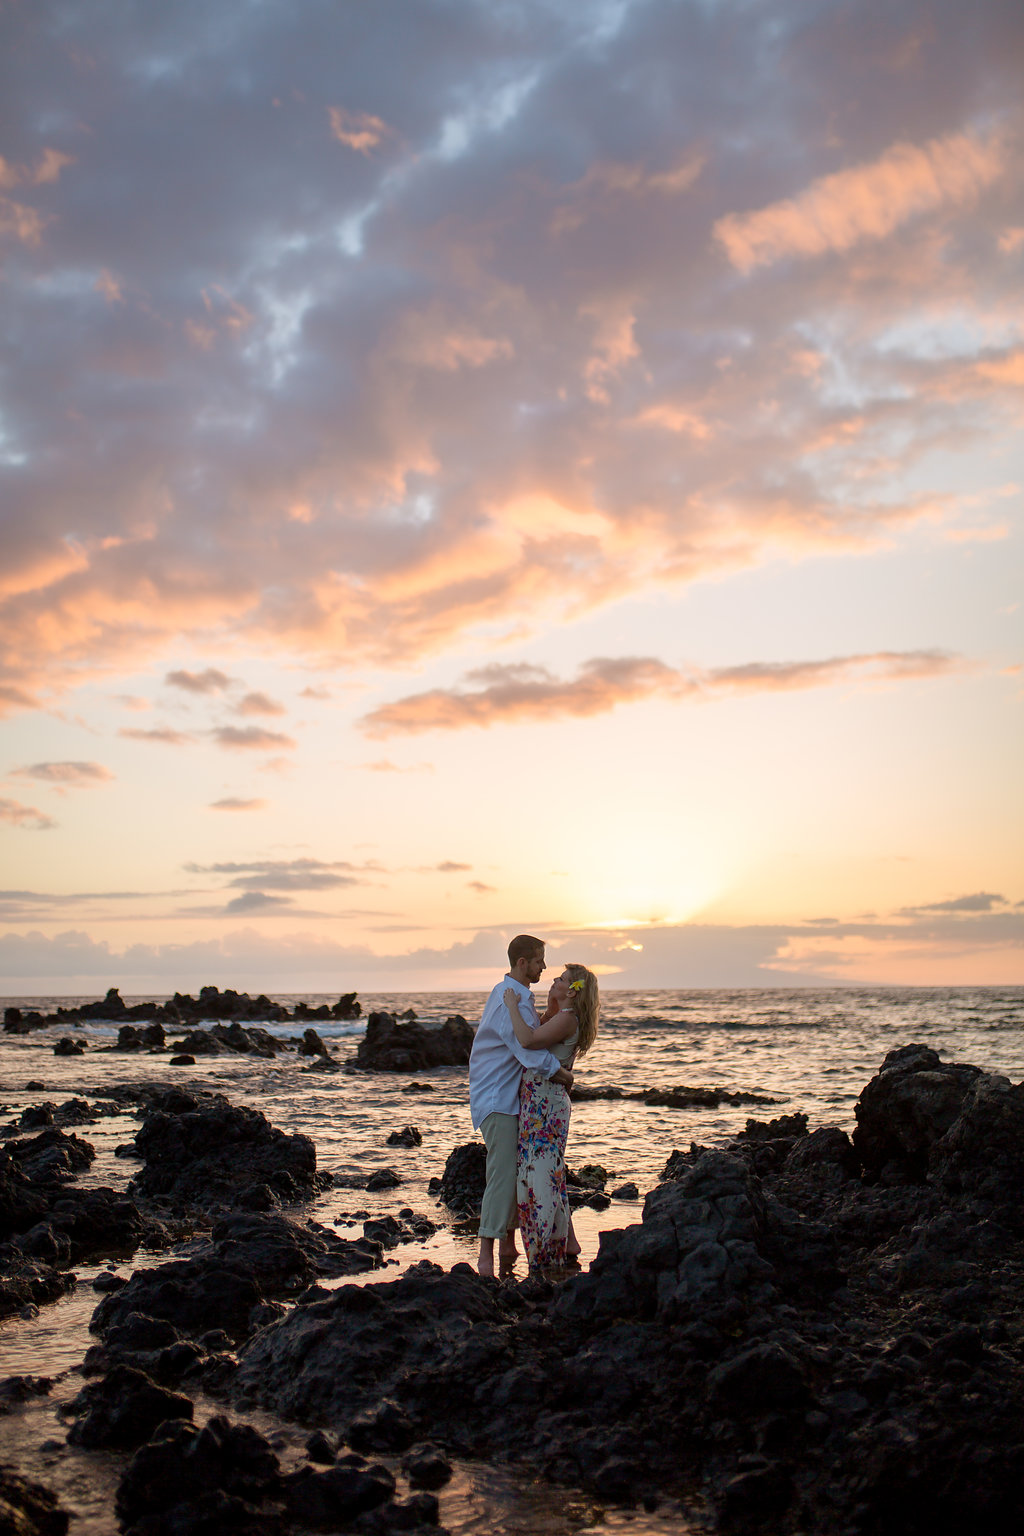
(485, 1258)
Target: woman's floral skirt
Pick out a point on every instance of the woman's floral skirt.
(540, 1180)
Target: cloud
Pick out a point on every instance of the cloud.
(360, 131)
(209, 681)
(232, 803)
(981, 901)
(385, 765)
(521, 692)
(163, 735)
(250, 738)
(66, 775)
(465, 355)
(866, 201)
(256, 901)
(688, 955)
(14, 814)
(258, 704)
(450, 867)
(480, 888)
(288, 874)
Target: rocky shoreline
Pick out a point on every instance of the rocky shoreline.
(806, 1333)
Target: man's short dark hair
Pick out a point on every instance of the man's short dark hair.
(523, 946)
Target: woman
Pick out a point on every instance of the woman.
(568, 1028)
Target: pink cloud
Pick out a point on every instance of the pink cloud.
(865, 202)
(162, 735)
(360, 131)
(66, 775)
(516, 693)
(258, 704)
(232, 803)
(14, 814)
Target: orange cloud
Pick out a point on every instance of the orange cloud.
(232, 803)
(360, 131)
(865, 202)
(258, 704)
(160, 734)
(513, 693)
(14, 814)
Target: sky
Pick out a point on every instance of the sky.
(471, 467)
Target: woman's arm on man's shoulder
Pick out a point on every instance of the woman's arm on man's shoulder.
(546, 1035)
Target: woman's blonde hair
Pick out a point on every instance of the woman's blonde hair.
(588, 1004)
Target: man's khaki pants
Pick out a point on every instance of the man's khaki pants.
(501, 1138)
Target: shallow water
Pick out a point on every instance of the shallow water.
(809, 1051)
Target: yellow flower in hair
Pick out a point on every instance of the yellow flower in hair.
(577, 986)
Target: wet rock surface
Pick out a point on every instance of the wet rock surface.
(27, 1508)
(200, 1149)
(802, 1340)
(805, 1334)
(390, 1045)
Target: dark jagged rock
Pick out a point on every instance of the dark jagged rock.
(682, 1097)
(347, 1006)
(123, 1409)
(462, 1184)
(229, 1039)
(151, 1037)
(200, 1149)
(26, 1282)
(195, 1295)
(390, 1046)
(52, 1156)
(408, 1136)
(251, 1258)
(981, 1156)
(68, 1047)
(311, 1044)
(785, 1126)
(366, 1339)
(223, 1477)
(27, 1508)
(384, 1178)
(326, 1500)
(426, 1466)
(906, 1109)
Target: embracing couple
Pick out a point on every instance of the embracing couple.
(520, 1073)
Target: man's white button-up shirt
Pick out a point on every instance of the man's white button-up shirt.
(497, 1059)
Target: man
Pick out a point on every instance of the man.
(496, 1063)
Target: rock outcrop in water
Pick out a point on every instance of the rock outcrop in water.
(199, 1149)
(182, 1011)
(392, 1046)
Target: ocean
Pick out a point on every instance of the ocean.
(806, 1050)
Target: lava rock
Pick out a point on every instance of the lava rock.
(123, 1409)
(391, 1046)
(462, 1184)
(906, 1109)
(27, 1508)
(408, 1136)
(201, 1149)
